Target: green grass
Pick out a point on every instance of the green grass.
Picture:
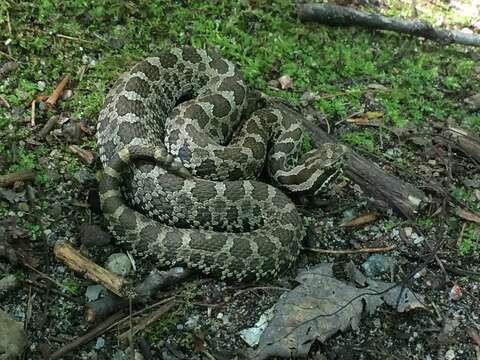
(424, 81)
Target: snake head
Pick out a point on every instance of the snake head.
(330, 161)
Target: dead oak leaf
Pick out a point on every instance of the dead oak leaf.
(321, 306)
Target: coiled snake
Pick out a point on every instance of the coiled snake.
(180, 163)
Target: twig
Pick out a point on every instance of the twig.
(146, 321)
(45, 276)
(8, 56)
(9, 27)
(95, 332)
(32, 114)
(344, 16)
(52, 99)
(74, 38)
(49, 125)
(77, 262)
(353, 251)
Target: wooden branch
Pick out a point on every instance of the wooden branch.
(77, 262)
(12, 178)
(143, 293)
(461, 140)
(387, 190)
(343, 16)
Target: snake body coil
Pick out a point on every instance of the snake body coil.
(180, 163)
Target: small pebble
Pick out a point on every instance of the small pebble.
(377, 264)
(119, 264)
(93, 292)
(450, 355)
(100, 343)
(67, 94)
(455, 293)
(41, 85)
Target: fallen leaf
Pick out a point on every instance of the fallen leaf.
(467, 215)
(320, 307)
(367, 118)
(362, 219)
(84, 155)
(285, 82)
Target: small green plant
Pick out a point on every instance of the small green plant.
(364, 139)
(470, 241)
(33, 230)
(71, 286)
(72, 166)
(307, 143)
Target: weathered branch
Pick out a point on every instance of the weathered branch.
(77, 262)
(143, 293)
(387, 190)
(461, 140)
(343, 16)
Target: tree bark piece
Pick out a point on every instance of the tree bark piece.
(387, 190)
(143, 293)
(343, 16)
(77, 262)
(49, 125)
(461, 140)
(12, 178)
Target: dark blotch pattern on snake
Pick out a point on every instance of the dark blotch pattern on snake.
(180, 163)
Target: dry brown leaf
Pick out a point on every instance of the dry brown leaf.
(320, 307)
(362, 219)
(84, 155)
(367, 118)
(467, 215)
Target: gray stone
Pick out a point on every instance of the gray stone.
(8, 283)
(12, 338)
(377, 264)
(93, 292)
(83, 176)
(119, 264)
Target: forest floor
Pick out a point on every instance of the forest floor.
(386, 95)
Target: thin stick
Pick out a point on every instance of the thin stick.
(52, 99)
(45, 276)
(146, 321)
(32, 114)
(9, 26)
(95, 332)
(348, 252)
(74, 38)
(8, 56)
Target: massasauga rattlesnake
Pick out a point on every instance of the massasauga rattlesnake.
(178, 180)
